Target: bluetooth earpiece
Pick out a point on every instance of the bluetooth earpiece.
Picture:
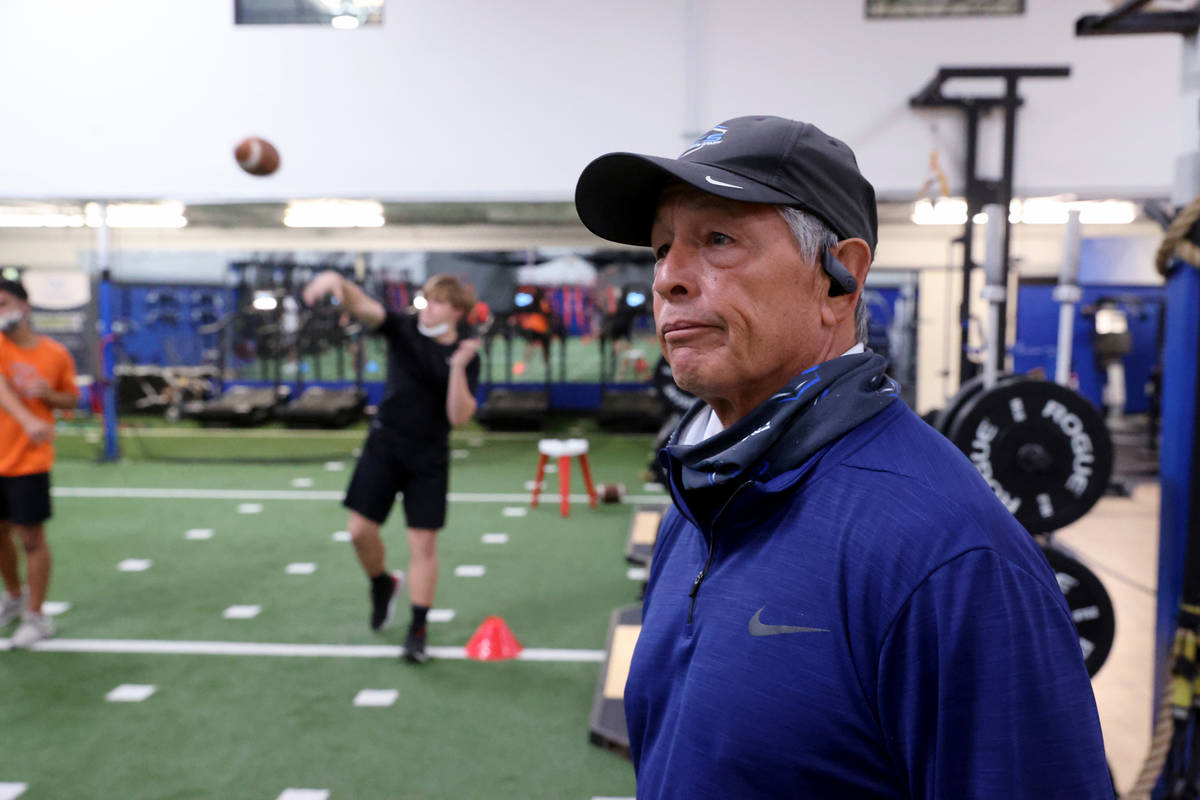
(841, 281)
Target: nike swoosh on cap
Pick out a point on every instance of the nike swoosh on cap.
(758, 628)
(716, 182)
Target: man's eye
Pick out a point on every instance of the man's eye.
(716, 237)
(661, 252)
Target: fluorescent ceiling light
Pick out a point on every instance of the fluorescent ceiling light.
(946, 211)
(1054, 211)
(265, 301)
(1031, 211)
(334, 214)
(37, 215)
(419, 302)
(136, 215)
(344, 22)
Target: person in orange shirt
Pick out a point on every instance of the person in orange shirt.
(37, 375)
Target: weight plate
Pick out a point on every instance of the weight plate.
(1091, 608)
(965, 393)
(676, 400)
(1043, 449)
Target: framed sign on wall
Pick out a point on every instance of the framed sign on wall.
(942, 8)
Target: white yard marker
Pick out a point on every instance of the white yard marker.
(130, 693)
(302, 483)
(475, 441)
(440, 615)
(653, 487)
(250, 508)
(459, 453)
(11, 791)
(334, 466)
(551, 469)
(341, 536)
(376, 698)
(304, 794)
(515, 511)
(470, 571)
(53, 609)
(636, 573)
(495, 538)
(530, 485)
(300, 568)
(199, 533)
(135, 565)
(242, 612)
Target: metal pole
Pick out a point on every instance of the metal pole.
(112, 449)
(966, 368)
(1067, 294)
(1011, 103)
(995, 291)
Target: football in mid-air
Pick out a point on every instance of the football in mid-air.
(257, 156)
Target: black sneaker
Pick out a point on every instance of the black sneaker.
(414, 649)
(383, 599)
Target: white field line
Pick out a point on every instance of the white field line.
(153, 647)
(111, 492)
(277, 433)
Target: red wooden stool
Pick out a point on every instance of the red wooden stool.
(563, 449)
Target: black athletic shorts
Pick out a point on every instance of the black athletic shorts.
(25, 499)
(391, 464)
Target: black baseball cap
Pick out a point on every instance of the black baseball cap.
(757, 159)
(15, 289)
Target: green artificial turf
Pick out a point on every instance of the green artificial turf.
(220, 727)
(252, 726)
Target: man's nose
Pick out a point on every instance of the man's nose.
(674, 274)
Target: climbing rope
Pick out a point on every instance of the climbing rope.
(1175, 243)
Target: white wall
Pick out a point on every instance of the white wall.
(475, 99)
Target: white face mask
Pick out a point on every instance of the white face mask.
(434, 331)
(10, 320)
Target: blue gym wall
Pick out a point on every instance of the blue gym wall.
(1109, 267)
(161, 322)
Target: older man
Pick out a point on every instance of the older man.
(838, 606)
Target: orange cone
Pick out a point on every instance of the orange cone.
(493, 641)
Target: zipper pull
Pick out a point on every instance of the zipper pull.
(696, 585)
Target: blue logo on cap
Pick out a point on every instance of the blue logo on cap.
(712, 136)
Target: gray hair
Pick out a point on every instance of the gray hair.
(813, 237)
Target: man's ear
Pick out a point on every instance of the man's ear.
(855, 257)
(847, 264)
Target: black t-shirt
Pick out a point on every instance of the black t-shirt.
(414, 403)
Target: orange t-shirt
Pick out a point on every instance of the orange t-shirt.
(21, 366)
